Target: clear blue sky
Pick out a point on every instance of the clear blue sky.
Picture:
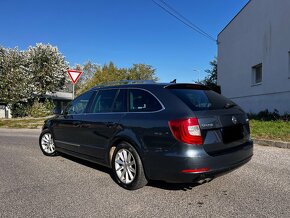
(124, 31)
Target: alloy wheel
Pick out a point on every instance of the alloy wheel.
(47, 143)
(125, 166)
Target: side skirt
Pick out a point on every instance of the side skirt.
(83, 157)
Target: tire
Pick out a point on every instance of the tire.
(127, 167)
(46, 143)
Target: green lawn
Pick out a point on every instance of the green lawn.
(30, 123)
(274, 130)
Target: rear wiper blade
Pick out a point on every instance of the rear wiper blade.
(229, 105)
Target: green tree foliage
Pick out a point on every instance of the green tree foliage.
(211, 79)
(88, 70)
(15, 77)
(19, 109)
(110, 72)
(48, 68)
(24, 74)
(141, 72)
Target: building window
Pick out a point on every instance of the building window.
(257, 75)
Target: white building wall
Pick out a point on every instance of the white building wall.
(260, 33)
(5, 112)
(2, 113)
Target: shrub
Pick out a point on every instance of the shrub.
(49, 106)
(39, 109)
(269, 116)
(19, 109)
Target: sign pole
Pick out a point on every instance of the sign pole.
(73, 93)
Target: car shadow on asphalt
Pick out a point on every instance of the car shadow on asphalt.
(156, 184)
(87, 163)
(173, 186)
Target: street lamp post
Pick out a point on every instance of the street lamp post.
(196, 70)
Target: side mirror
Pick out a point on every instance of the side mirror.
(57, 111)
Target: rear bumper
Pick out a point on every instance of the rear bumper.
(168, 166)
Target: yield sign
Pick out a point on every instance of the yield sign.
(74, 75)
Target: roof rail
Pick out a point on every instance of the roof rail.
(125, 82)
(186, 86)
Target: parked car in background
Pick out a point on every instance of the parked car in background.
(171, 132)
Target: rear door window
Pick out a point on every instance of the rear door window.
(120, 104)
(79, 105)
(199, 100)
(142, 101)
(103, 101)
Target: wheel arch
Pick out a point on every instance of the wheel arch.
(117, 140)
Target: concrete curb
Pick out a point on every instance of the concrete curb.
(271, 143)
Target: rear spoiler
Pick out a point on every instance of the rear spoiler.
(186, 86)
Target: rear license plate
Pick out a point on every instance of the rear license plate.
(232, 133)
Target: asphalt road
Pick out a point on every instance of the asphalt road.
(33, 185)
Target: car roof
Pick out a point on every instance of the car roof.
(154, 85)
(129, 85)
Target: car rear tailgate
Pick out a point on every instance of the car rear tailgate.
(223, 130)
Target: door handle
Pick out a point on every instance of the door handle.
(111, 124)
(87, 125)
(77, 124)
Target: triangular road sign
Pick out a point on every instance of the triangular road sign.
(74, 75)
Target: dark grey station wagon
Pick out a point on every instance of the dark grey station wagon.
(171, 132)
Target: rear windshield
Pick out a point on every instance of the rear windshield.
(199, 100)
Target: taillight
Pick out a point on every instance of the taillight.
(186, 130)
